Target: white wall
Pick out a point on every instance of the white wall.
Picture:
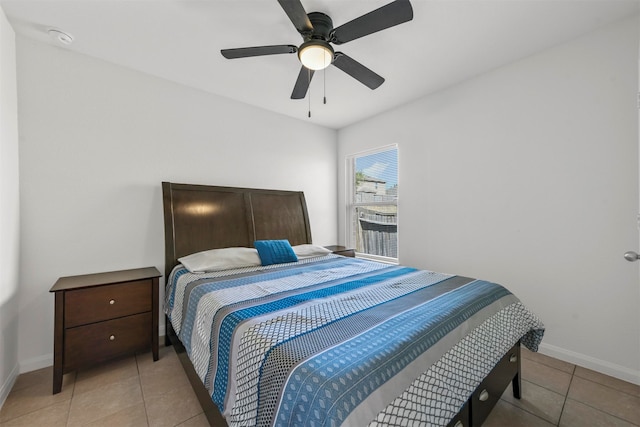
(528, 176)
(96, 140)
(9, 213)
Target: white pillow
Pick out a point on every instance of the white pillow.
(221, 259)
(308, 251)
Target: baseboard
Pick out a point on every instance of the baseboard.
(8, 385)
(36, 363)
(592, 363)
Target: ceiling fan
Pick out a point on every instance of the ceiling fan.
(316, 52)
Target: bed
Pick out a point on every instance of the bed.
(323, 339)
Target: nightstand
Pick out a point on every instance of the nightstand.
(102, 316)
(342, 250)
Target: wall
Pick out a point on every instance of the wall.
(96, 140)
(528, 176)
(9, 214)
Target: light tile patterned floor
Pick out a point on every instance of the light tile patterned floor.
(557, 393)
(135, 391)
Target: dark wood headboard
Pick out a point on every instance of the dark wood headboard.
(202, 217)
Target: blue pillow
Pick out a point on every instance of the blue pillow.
(275, 251)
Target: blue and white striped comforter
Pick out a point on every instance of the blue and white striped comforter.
(343, 341)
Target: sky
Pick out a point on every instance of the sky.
(382, 165)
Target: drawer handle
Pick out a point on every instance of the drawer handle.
(459, 424)
(111, 302)
(513, 358)
(484, 395)
(112, 338)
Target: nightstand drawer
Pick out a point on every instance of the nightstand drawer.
(85, 345)
(88, 305)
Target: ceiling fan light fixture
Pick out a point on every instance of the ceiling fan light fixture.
(315, 54)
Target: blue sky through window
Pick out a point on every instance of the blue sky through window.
(382, 165)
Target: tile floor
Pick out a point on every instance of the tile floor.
(135, 391)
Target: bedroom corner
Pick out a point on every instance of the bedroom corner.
(9, 214)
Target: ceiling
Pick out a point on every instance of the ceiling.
(448, 41)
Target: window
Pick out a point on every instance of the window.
(372, 203)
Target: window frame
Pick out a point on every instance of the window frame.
(351, 204)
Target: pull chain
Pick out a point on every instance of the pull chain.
(309, 90)
(324, 81)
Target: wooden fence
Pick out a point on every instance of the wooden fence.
(377, 232)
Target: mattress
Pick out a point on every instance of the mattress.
(343, 341)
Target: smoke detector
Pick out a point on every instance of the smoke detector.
(60, 36)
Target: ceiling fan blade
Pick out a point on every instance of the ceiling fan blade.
(302, 84)
(387, 16)
(244, 52)
(298, 16)
(357, 71)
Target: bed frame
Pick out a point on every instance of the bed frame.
(201, 217)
